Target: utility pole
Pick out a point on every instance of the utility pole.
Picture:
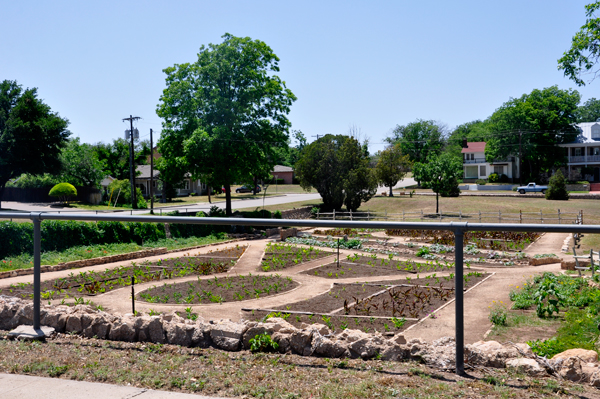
(520, 158)
(131, 166)
(151, 175)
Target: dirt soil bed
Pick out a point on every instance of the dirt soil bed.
(91, 283)
(218, 290)
(282, 256)
(338, 323)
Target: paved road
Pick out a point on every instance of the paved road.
(14, 386)
(202, 206)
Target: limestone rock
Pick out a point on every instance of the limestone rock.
(122, 330)
(156, 332)
(252, 332)
(584, 355)
(280, 325)
(570, 369)
(179, 333)
(300, 342)
(201, 335)
(73, 324)
(395, 352)
(527, 366)
(227, 335)
(328, 348)
(494, 354)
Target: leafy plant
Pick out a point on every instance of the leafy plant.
(263, 343)
(498, 314)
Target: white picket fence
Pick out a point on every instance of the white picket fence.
(481, 217)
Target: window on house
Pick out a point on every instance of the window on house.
(482, 171)
(596, 151)
(596, 131)
(499, 169)
(577, 152)
(186, 185)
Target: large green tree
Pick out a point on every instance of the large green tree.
(225, 113)
(442, 174)
(80, 164)
(419, 139)
(533, 125)
(115, 156)
(31, 135)
(391, 166)
(583, 56)
(338, 168)
(589, 111)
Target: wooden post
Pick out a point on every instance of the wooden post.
(520, 216)
(559, 221)
(480, 216)
(334, 214)
(541, 217)
(581, 219)
(350, 214)
(421, 215)
(499, 216)
(318, 211)
(403, 216)
(460, 215)
(368, 215)
(386, 217)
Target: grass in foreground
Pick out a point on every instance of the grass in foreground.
(24, 261)
(214, 372)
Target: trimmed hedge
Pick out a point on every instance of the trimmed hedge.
(58, 235)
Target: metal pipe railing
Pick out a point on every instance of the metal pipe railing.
(457, 228)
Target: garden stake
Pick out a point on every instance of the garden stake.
(338, 257)
(132, 295)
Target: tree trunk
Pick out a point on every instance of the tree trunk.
(391, 193)
(163, 198)
(209, 190)
(254, 186)
(227, 199)
(2, 193)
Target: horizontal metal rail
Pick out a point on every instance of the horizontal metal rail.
(458, 228)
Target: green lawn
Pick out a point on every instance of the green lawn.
(468, 204)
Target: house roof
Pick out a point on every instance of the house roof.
(474, 146)
(145, 172)
(585, 134)
(281, 168)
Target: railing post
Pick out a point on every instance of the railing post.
(459, 302)
(37, 249)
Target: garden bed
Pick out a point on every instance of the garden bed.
(218, 290)
(92, 283)
(281, 256)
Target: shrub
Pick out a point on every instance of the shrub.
(481, 182)
(277, 215)
(121, 194)
(503, 178)
(557, 189)
(498, 314)
(263, 343)
(63, 191)
(493, 178)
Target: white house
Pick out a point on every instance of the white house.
(142, 180)
(475, 166)
(584, 152)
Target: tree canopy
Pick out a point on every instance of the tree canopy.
(224, 114)
(540, 120)
(472, 131)
(80, 164)
(338, 168)
(442, 174)
(589, 111)
(419, 139)
(31, 135)
(583, 56)
(391, 166)
(115, 156)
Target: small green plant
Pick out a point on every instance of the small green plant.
(498, 313)
(398, 322)
(263, 343)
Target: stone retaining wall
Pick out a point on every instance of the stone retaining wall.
(310, 340)
(299, 213)
(543, 261)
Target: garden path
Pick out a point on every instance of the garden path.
(476, 301)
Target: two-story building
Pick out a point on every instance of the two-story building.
(583, 154)
(475, 166)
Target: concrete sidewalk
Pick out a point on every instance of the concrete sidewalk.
(15, 386)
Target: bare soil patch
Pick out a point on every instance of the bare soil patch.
(218, 290)
(91, 283)
(282, 256)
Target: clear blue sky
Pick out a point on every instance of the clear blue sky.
(371, 64)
